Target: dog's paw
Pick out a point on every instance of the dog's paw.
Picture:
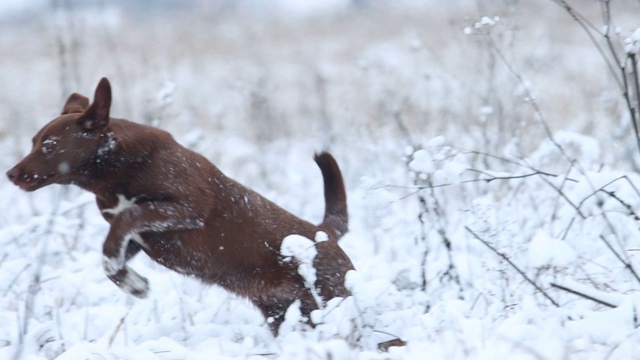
(111, 265)
(135, 285)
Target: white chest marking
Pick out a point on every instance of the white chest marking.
(123, 204)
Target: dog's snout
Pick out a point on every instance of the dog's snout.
(13, 173)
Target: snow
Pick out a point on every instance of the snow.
(544, 250)
(48, 145)
(165, 95)
(632, 43)
(303, 251)
(309, 7)
(422, 162)
(107, 147)
(432, 135)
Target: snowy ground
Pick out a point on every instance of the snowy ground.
(454, 185)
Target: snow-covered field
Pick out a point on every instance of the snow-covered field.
(469, 220)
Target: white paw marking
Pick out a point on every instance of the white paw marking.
(111, 265)
(123, 204)
(115, 264)
(135, 285)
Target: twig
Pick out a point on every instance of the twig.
(529, 97)
(636, 82)
(15, 279)
(561, 193)
(491, 177)
(626, 264)
(613, 195)
(117, 330)
(416, 189)
(451, 271)
(622, 79)
(423, 239)
(588, 29)
(576, 207)
(59, 328)
(606, 17)
(506, 258)
(514, 162)
(34, 286)
(584, 295)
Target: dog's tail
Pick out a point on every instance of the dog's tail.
(336, 218)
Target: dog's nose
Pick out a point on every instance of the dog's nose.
(13, 174)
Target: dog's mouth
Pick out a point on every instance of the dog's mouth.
(33, 181)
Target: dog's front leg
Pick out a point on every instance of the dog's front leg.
(131, 282)
(127, 279)
(124, 239)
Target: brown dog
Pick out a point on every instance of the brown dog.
(185, 214)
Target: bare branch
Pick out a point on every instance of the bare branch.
(529, 96)
(589, 294)
(491, 177)
(506, 258)
(117, 330)
(589, 29)
(613, 195)
(622, 79)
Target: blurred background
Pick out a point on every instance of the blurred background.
(353, 75)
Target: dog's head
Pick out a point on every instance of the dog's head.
(63, 147)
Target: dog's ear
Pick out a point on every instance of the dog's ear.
(76, 103)
(96, 116)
